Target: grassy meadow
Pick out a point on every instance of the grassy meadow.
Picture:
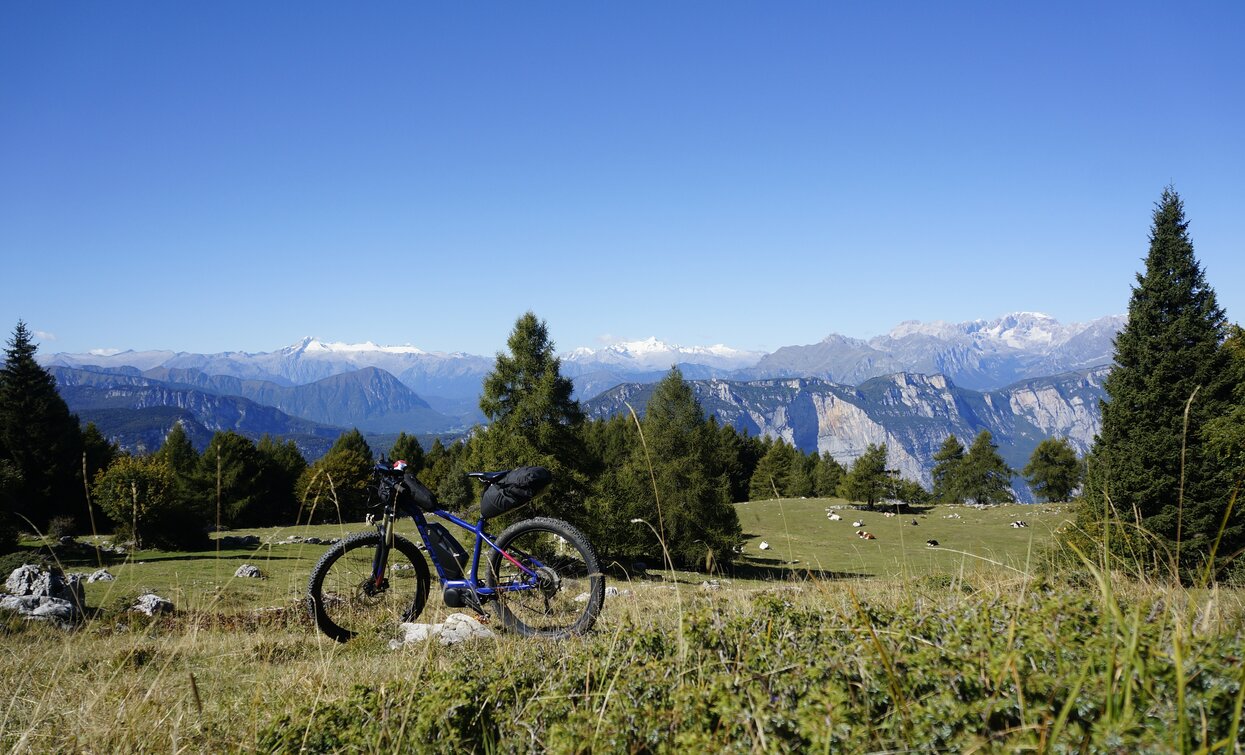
(821, 643)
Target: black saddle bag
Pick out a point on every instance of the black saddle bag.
(517, 488)
(412, 492)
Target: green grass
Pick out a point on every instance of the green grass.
(802, 538)
(914, 650)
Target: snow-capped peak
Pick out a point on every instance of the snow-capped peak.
(1035, 331)
(311, 345)
(654, 353)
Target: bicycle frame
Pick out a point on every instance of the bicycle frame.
(471, 580)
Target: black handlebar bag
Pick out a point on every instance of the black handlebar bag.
(517, 488)
(412, 492)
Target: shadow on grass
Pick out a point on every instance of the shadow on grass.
(776, 570)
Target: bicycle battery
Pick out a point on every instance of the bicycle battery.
(448, 552)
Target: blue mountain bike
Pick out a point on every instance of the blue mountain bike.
(541, 576)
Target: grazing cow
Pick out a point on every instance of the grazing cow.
(835, 517)
(764, 545)
(858, 523)
(915, 522)
(868, 536)
(1019, 524)
(931, 543)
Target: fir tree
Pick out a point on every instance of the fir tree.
(1146, 461)
(38, 437)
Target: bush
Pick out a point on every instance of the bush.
(140, 494)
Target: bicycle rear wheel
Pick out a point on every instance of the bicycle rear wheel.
(343, 599)
(560, 589)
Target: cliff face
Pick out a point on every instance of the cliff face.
(911, 414)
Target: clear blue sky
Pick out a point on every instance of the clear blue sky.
(236, 175)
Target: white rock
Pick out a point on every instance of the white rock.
(101, 575)
(151, 604)
(764, 546)
(249, 571)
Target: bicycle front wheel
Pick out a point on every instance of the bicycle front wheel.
(556, 589)
(345, 601)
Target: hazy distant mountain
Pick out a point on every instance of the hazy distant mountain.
(138, 412)
(446, 382)
(369, 399)
(983, 354)
(912, 414)
(386, 389)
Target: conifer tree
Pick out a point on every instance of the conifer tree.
(675, 483)
(180, 456)
(280, 467)
(827, 475)
(408, 449)
(1147, 462)
(773, 472)
(984, 475)
(534, 420)
(867, 479)
(228, 476)
(1053, 470)
(337, 487)
(948, 473)
(39, 438)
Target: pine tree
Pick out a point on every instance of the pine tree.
(38, 437)
(1053, 470)
(947, 472)
(773, 471)
(984, 475)
(534, 421)
(1153, 472)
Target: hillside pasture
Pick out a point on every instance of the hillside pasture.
(803, 539)
(818, 644)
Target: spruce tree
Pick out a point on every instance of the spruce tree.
(673, 480)
(407, 448)
(827, 476)
(280, 467)
(228, 476)
(39, 437)
(985, 477)
(533, 420)
(948, 473)
(1053, 470)
(1153, 471)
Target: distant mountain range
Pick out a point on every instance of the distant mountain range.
(312, 390)
(911, 414)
